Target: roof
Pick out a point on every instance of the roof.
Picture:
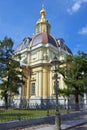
(24, 44)
(43, 38)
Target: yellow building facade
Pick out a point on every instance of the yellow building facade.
(36, 56)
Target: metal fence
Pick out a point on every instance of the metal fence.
(23, 109)
(47, 104)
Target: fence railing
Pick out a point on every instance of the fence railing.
(23, 109)
(46, 104)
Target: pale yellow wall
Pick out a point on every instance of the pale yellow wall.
(45, 82)
(40, 83)
(40, 72)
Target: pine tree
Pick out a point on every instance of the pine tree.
(74, 71)
(9, 70)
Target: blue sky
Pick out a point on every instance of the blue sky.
(68, 19)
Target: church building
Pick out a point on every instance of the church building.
(37, 52)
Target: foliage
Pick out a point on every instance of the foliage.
(74, 71)
(9, 70)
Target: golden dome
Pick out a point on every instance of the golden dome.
(43, 12)
(42, 24)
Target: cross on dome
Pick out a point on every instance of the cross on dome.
(42, 5)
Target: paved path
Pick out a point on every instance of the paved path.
(64, 125)
(82, 127)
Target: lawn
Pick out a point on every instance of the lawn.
(17, 114)
(24, 114)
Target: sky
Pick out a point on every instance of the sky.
(68, 19)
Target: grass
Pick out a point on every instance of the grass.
(23, 114)
(16, 114)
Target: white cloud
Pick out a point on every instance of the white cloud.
(83, 31)
(76, 5)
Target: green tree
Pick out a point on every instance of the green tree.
(9, 70)
(74, 71)
(66, 92)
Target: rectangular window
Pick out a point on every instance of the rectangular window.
(33, 88)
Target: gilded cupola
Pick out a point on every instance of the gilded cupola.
(42, 24)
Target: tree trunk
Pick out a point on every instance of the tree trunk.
(6, 101)
(77, 102)
(68, 105)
